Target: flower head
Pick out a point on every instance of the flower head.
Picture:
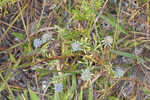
(58, 87)
(86, 75)
(37, 43)
(138, 50)
(107, 41)
(35, 67)
(118, 72)
(46, 37)
(76, 46)
(44, 85)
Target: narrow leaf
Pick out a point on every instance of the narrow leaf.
(125, 54)
(12, 58)
(112, 22)
(33, 96)
(18, 35)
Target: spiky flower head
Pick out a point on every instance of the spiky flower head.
(107, 41)
(46, 37)
(86, 75)
(76, 46)
(138, 50)
(118, 72)
(58, 87)
(37, 43)
(44, 85)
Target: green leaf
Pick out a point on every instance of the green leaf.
(112, 21)
(113, 98)
(125, 54)
(43, 72)
(27, 47)
(146, 91)
(33, 96)
(34, 52)
(18, 97)
(5, 80)
(25, 93)
(12, 58)
(90, 96)
(81, 94)
(18, 35)
(74, 83)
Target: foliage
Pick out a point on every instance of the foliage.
(73, 51)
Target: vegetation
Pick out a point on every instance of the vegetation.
(74, 49)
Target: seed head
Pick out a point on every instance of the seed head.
(58, 87)
(76, 46)
(107, 41)
(46, 37)
(37, 43)
(118, 72)
(86, 75)
(44, 85)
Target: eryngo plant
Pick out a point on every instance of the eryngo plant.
(37, 43)
(46, 37)
(107, 41)
(58, 87)
(76, 46)
(86, 75)
(44, 85)
(118, 72)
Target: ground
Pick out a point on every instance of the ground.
(74, 50)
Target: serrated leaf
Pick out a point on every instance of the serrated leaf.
(18, 35)
(33, 96)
